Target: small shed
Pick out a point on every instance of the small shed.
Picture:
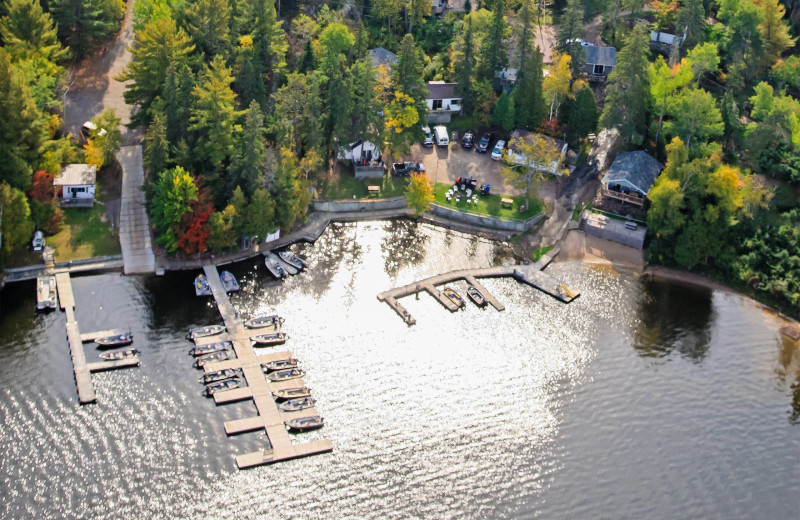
(75, 185)
(600, 61)
(366, 157)
(381, 56)
(663, 42)
(631, 176)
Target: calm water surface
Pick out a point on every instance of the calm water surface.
(639, 400)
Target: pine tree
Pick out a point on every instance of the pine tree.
(213, 113)
(178, 86)
(365, 119)
(28, 30)
(774, 31)
(503, 114)
(156, 149)
(570, 30)
(407, 75)
(207, 22)
(692, 21)
(269, 43)
(526, 17)
(260, 216)
(528, 98)
(82, 23)
(583, 115)
(493, 54)
(249, 84)
(628, 89)
(248, 163)
(465, 71)
(417, 10)
(339, 103)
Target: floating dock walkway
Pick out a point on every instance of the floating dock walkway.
(83, 370)
(269, 417)
(529, 273)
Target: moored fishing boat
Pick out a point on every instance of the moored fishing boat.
(289, 268)
(260, 322)
(453, 296)
(285, 375)
(295, 261)
(274, 266)
(202, 361)
(266, 340)
(202, 332)
(214, 388)
(304, 424)
(119, 354)
(476, 296)
(229, 282)
(219, 375)
(201, 287)
(294, 405)
(119, 340)
(280, 364)
(202, 350)
(291, 393)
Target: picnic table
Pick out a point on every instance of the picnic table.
(374, 190)
(506, 203)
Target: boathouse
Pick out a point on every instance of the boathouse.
(75, 185)
(630, 177)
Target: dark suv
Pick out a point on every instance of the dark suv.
(483, 144)
(468, 140)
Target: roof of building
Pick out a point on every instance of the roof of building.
(600, 55)
(381, 56)
(442, 90)
(638, 168)
(663, 37)
(76, 175)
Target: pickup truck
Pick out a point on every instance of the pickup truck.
(405, 169)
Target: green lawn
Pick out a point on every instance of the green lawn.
(489, 204)
(85, 233)
(346, 185)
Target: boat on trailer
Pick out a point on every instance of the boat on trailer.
(46, 296)
(120, 340)
(476, 296)
(219, 375)
(201, 286)
(291, 393)
(280, 364)
(274, 266)
(202, 332)
(202, 361)
(295, 261)
(214, 388)
(295, 405)
(261, 322)
(285, 375)
(304, 424)
(119, 354)
(202, 350)
(267, 340)
(229, 282)
(453, 296)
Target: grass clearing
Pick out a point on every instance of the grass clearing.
(85, 233)
(345, 185)
(489, 204)
(539, 253)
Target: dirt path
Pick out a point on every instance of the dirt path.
(91, 87)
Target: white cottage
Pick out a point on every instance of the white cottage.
(75, 185)
(442, 101)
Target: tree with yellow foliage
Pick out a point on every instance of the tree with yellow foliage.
(419, 193)
(556, 85)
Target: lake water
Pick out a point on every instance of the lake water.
(638, 400)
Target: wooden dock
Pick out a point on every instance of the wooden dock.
(531, 274)
(83, 370)
(269, 417)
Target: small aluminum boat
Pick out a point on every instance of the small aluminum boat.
(453, 296)
(274, 266)
(230, 384)
(202, 361)
(201, 287)
(289, 268)
(120, 354)
(476, 296)
(219, 375)
(260, 322)
(285, 375)
(295, 261)
(229, 282)
(202, 350)
(280, 364)
(266, 340)
(120, 340)
(202, 332)
(294, 405)
(304, 424)
(291, 393)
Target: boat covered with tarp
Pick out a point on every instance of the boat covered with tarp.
(201, 286)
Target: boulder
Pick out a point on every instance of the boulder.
(605, 149)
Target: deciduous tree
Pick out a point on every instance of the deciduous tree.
(16, 226)
(173, 192)
(539, 157)
(419, 193)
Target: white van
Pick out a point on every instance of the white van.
(440, 133)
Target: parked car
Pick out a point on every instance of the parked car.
(428, 140)
(405, 169)
(38, 241)
(440, 133)
(497, 152)
(483, 144)
(468, 139)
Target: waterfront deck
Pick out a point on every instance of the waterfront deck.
(269, 417)
(83, 370)
(531, 274)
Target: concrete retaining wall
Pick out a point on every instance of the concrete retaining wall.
(338, 206)
(486, 220)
